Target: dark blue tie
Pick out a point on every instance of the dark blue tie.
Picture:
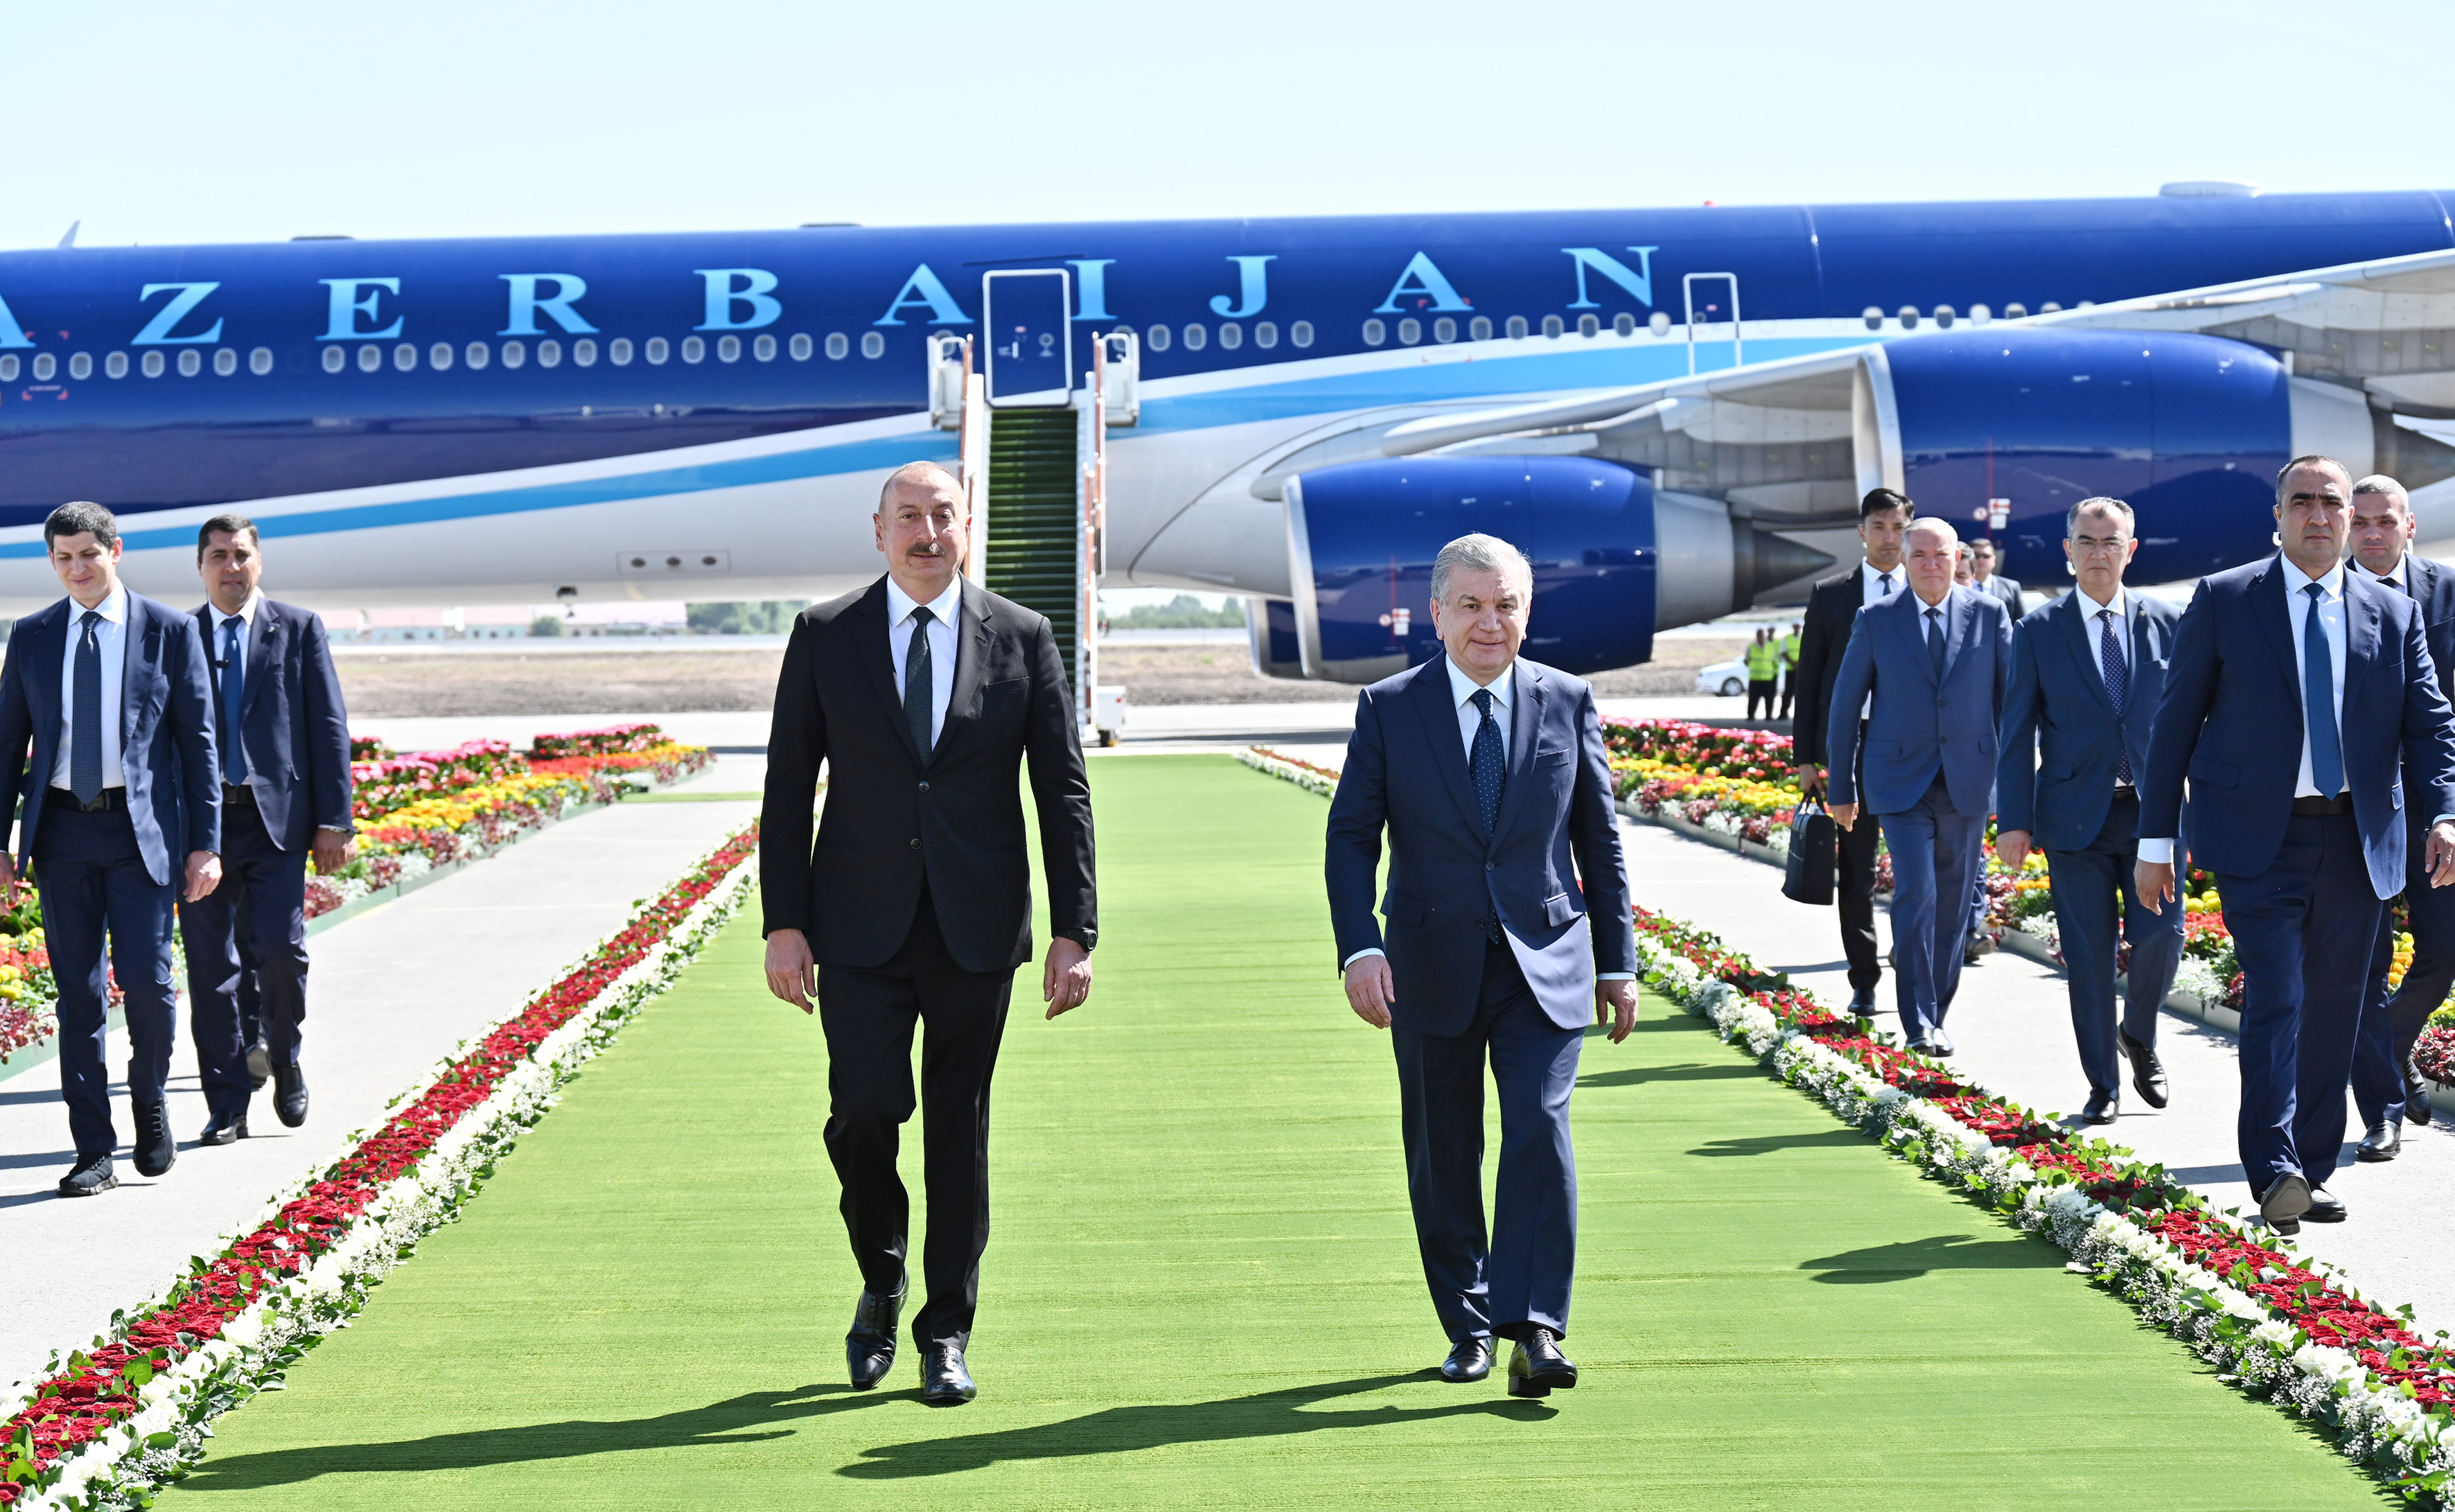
(1487, 770)
(2319, 702)
(233, 693)
(85, 727)
(920, 690)
(1934, 644)
(2118, 683)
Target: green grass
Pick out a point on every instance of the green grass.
(1203, 1290)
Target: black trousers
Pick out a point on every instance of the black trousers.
(1761, 693)
(868, 1013)
(1789, 690)
(1854, 897)
(94, 887)
(253, 924)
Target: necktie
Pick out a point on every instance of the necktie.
(1486, 770)
(1886, 579)
(2319, 702)
(233, 693)
(84, 726)
(2117, 683)
(918, 689)
(1934, 644)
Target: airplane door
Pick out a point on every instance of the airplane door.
(1027, 313)
(1719, 297)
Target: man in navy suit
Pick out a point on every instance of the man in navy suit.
(1983, 577)
(2297, 697)
(2087, 670)
(1937, 660)
(1488, 773)
(107, 741)
(2388, 1093)
(283, 740)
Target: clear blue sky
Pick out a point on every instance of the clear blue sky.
(199, 121)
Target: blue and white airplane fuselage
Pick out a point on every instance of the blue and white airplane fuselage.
(709, 415)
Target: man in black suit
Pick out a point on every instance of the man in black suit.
(107, 739)
(283, 738)
(922, 693)
(1985, 578)
(1831, 609)
(2385, 1089)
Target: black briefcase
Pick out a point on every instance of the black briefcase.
(1808, 877)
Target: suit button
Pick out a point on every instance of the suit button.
(1492, 866)
(925, 788)
(916, 842)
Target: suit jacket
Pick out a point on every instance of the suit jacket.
(166, 732)
(1921, 726)
(291, 722)
(2061, 740)
(1407, 772)
(895, 824)
(2005, 589)
(2231, 723)
(1832, 614)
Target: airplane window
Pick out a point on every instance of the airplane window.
(1659, 323)
(1479, 329)
(1624, 324)
(116, 364)
(1552, 325)
(1410, 330)
(1589, 325)
(2015, 311)
(838, 348)
(154, 364)
(1945, 314)
(2048, 308)
(81, 365)
(1232, 336)
(1376, 332)
(1196, 336)
(694, 349)
(1157, 340)
(619, 351)
(1265, 334)
(803, 347)
(1444, 330)
(1909, 317)
(260, 361)
(479, 355)
(584, 351)
(764, 349)
(190, 362)
(370, 358)
(658, 351)
(1980, 314)
(225, 362)
(873, 344)
(549, 353)
(404, 357)
(8, 370)
(1518, 328)
(728, 349)
(1874, 318)
(334, 359)
(45, 365)
(1300, 332)
(516, 354)
(439, 356)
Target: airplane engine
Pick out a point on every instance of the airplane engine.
(2189, 429)
(1613, 559)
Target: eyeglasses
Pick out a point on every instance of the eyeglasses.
(2092, 544)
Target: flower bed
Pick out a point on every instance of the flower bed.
(1304, 774)
(107, 1424)
(2293, 1333)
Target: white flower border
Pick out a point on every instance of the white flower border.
(2265, 1354)
(175, 1409)
(1310, 781)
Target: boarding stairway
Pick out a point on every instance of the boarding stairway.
(1033, 458)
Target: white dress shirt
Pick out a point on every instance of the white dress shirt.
(111, 636)
(944, 611)
(2331, 624)
(1462, 691)
(2394, 575)
(246, 618)
(1874, 588)
(2121, 610)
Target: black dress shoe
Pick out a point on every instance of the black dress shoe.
(2416, 1097)
(1536, 1367)
(1470, 1360)
(2147, 1072)
(1979, 945)
(2102, 1105)
(2325, 1207)
(2286, 1198)
(869, 1349)
(223, 1130)
(1862, 1002)
(259, 1066)
(944, 1382)
(156, 1151)
(90, 1175)
(290, 1095)
(2383, 1142)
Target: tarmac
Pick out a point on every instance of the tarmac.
(391, 993)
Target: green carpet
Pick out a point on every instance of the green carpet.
(1203, 1290)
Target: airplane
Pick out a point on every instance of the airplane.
(1672, 411)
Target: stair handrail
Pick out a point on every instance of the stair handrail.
(972, 463)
